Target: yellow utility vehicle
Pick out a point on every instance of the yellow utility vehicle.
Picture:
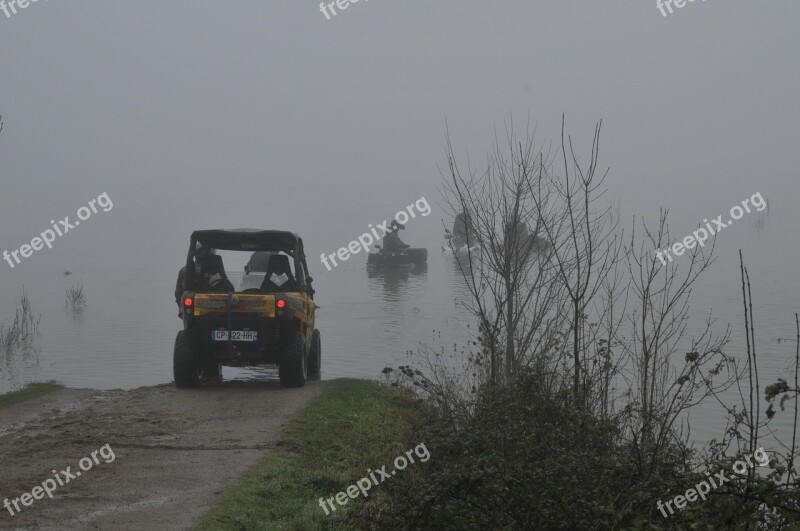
(270, 322)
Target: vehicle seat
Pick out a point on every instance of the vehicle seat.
(278, 268)
(212, 272)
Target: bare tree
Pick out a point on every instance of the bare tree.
(662, 388)
(550, 283)
(585, 245)
(513, 290)
(540, 259)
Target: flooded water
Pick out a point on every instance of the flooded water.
(124, 337)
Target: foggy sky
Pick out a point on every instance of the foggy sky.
(265, 114)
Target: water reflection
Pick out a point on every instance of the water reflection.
(394, 281)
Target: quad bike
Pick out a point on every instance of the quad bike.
(408, 257)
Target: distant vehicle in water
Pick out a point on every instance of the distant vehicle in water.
(409, 257)
(463, 248)
(463, 231)
(526, 243)
(395, 253)
(463, 238)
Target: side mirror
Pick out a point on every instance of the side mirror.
(246, 269)
(309, 280)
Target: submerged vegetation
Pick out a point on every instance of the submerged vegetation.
(18, 336)
(76, 300)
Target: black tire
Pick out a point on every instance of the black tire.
(186, 367)
(315, 357)
(293, 367)
(212, 370)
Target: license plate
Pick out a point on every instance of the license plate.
(236, 335)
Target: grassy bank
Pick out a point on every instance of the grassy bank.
(26, 393)
(353, 426)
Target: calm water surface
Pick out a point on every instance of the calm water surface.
(124, 337)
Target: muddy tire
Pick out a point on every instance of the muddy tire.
(315, 357)
(212, 370)
(293, 367)
(186, 367)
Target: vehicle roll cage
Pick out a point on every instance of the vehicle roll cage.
(251, 240)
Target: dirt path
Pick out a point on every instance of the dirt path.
(175, 451)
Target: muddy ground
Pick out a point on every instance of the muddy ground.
(175, 451)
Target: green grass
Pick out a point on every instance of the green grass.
(354, 425)
(26, 393)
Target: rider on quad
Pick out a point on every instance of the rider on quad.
(392, 242)
(463, 230)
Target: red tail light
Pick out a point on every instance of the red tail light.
(188, 301)
(281, 304)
